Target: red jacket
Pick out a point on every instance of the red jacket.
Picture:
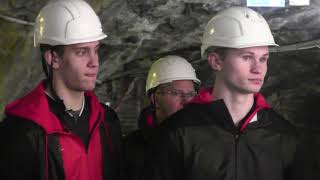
(78, 162)
(204, 96)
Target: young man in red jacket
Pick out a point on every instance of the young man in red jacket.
(237, 135)
(60, 131)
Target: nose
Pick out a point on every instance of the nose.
(94, 60)
(256, 67)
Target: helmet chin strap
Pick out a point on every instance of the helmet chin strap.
(46, 68)
(50, 91)
(53, 95)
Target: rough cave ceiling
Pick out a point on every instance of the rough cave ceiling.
(140, 31)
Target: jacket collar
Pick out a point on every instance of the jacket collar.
(35, 107)
(219, 111)
(204, 96)
(148, 125)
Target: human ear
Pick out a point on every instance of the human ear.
(215, 61)
(52, 59)
(154, 100)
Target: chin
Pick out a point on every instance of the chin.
(250, 90)
(88, 87)
(256, 90)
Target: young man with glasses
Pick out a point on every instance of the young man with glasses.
(171, 84)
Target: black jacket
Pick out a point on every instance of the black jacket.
(202, 143)
(34, 145)
(307, 162)
(139, 146)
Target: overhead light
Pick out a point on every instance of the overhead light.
(299, 2)
(266, 3)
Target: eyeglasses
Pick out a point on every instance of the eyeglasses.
(178, 93)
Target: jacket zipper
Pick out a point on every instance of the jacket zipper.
(95, 125)
(236, 138)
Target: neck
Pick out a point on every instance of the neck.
(73, 100)
(238, 104)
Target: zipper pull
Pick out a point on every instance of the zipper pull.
(236, 136)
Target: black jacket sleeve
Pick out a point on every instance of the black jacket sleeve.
(306, 164)
(114, 167)
(18, 160)
(169, 162)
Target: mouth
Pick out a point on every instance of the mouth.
(91, 75)
(256, 81)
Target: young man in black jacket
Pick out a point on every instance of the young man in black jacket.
(238, 135)
(60, 131)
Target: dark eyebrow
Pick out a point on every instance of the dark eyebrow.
(266, 55)
(86, 47)
(80, 47)
(251, 53)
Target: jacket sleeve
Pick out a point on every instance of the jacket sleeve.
(168, 164)
(17, 156)
(306, 163)
(117, 162)
(115, 128)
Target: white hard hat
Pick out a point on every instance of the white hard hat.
(63, 22)
(237, 27)
(168, 69)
